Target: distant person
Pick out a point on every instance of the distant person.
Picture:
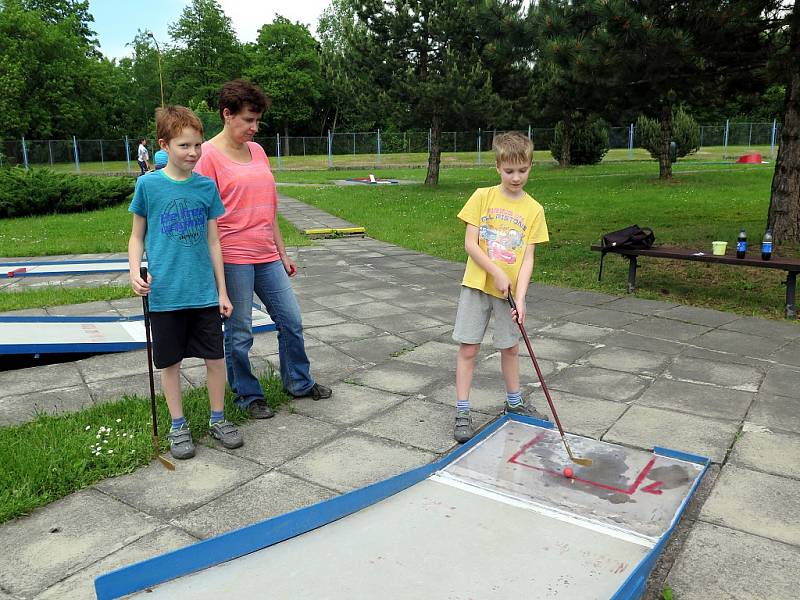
(143, 157)
(254, 253)
(175, 214)
(160, 159)
(503, 225)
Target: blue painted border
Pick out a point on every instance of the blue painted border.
(31, 263)
(234, 544)
(68, 319)
(252, 538)
(634, 586)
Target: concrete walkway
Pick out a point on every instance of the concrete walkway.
(378, 320)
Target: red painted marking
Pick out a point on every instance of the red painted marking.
(651, 488)
(17, 271)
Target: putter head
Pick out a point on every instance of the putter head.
(586, 462)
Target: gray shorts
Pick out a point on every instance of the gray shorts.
(474, 310)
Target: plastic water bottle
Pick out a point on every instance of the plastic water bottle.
(741, 244)
(766, 245)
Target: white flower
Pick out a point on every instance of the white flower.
(119, 420)
(88, 427)
(97, 436)
(111, 452)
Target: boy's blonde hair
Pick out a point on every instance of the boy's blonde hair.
(512, 147)
(171, 120)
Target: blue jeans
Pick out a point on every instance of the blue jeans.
(271, 284)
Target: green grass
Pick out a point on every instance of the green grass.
(53, 456)
(52, 295)
(702, 203)
(93, 232)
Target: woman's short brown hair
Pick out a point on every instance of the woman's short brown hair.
(239, 95)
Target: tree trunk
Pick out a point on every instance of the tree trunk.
(286, 138)
(664, 160)
(566, 144)
(784, 205)
(435, 157)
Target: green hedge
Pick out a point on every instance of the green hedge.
(39, 191)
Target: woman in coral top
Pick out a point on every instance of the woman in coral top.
(253, 251)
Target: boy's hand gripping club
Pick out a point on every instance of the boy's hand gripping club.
(586, 462)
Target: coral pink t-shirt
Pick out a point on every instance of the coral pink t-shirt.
(251, 203)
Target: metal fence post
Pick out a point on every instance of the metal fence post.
(750, 136)
(278, 148)
(24, 153)
(529, 132)
(479, 145)
(630, 141)
(102, 159)
(725, 144)
(354, 144)
(75, 152)
(701, 136)
(379, 147)
(128, 153)
(429, 140)
(330, 149)
(772, 140)
(50, 151)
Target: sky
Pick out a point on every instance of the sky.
(116, 23)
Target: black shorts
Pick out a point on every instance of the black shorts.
(191, 332)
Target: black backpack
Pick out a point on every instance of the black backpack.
(632, 237)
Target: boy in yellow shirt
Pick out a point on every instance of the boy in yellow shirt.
(504, 224)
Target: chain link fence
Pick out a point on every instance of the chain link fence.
(373, 148)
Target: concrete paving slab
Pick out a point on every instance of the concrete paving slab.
(738, 377)
(420, 423)
(167, 494)
(330, 364)
(590, 417)
(433, 354)
(132, 385)
(666, 329)
(551, 309)
(761, 449)
(370, 310)
(718, 562)
(36, 379)
(387, 292)
(698, 399)
(627, 360)
(639, 306)
(645, 427)
(553, 348)
(739, 343)
(349, 404)
(319, 318)
(758, 503)
(118, 364)
(492, 367)
(399, 377)
(354, 460)
(487, 394)
(699, 316)
(343, 332)
(787, 329)
(726, 357)
(15, 410)
(264, 497)
(400, 324)
(271, 442)
(81, 584)
(602, 317)
(788, 354)
(776, 412)
(441, 333)
(588, 298)
(344, 299)
(576, 331)
(783, 381)
(623, 339)
(551, 292)
(599, 383)
(100, 308)
(71, 533)
(376, 349)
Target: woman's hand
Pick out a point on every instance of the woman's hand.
(289, 266)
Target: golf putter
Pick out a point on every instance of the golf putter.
(156, 444)
(586, 462)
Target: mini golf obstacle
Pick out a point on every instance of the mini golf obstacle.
(496, 518)
(87, 335)
(371, 180)
(35, 268)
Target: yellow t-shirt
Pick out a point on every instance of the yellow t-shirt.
(506, 227)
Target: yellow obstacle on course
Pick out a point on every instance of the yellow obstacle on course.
(335, 231)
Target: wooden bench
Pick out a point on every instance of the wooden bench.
(790, 265)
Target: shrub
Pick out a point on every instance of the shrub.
(40, 191)
(589, 143)
(685, 133)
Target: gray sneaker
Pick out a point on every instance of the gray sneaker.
(521, 409)
(227, 433)
(181, 445)
(463, 429)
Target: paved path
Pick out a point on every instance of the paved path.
(378, 320)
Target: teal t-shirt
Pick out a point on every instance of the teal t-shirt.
(176, 241)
